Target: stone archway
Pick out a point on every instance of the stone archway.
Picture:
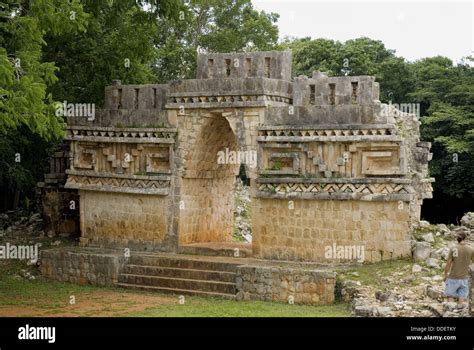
(206, 193)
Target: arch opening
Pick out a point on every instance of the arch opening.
(208, 189)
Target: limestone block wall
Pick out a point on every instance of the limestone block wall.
(285, 285)
(206, 210)
(343, 114)
(85, 267)
(289, 283)
(56, 212)
(305, 232)
(130, 105)
(323, 90)
(124, 220)
(270, 64)
(130, 97)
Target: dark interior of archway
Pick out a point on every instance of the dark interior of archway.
(243, 176)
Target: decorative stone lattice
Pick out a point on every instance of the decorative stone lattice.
(136, 133)
(326, 143)
(114, 184)
(381, 131)
(334, 188)
(228, 98)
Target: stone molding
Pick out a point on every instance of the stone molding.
(234, 92)
(325, 133)
(121, 135)
(224, 100)
(343, 188)
(140, 184)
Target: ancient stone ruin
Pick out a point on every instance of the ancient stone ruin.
(329, 166)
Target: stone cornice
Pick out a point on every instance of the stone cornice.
(339, 189)
(107, 182)
(120, 135)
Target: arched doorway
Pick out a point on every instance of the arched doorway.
(210, 167)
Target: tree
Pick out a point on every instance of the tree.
(212, 26)
(314, 55)
(451, 129)
(43, 40)
(118, 43)
(24, 77)
(361, 56)
(27, 118)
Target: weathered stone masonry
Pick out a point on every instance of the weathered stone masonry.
(292, 285)
(147, 174)
(334, 166)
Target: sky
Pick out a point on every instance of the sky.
(414, 29)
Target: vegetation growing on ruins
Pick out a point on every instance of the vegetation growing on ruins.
(72, 50)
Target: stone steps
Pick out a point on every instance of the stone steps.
(182, 262)
(243, 252)
(180, 275)
(193, 274)
(179, 283)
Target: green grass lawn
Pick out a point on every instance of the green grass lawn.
(200, 307)
(39, 297)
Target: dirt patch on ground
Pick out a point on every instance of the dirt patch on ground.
(94, 304)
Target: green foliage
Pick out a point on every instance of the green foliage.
(56, 50)
(117, 44)
(28, 124)
(362, 56)
(277, 165)
(314, 55)
(451, 129)
(446, 94)
(213, 26)
(24, 76)
(23, 160)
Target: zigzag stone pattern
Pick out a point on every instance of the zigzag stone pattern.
(227, 98)
(114, 184)
(363, 191)
(335, 188)
(298, 132)
(112, 134)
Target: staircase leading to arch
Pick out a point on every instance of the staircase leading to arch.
(181, 274)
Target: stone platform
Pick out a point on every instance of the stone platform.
(231, 249)
(182, 274)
